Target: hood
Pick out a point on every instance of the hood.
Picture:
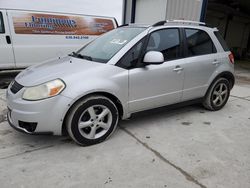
(60, 68)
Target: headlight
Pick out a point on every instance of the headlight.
(44, 91)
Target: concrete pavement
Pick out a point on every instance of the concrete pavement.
(182, 147)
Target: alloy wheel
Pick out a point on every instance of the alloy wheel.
(95, 121)
(220, 94)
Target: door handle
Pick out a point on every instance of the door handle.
(215, 62)
(178, 68)
(8, 39)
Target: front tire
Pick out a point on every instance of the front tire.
(217, 95)
(92, 120)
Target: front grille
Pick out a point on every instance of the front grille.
(15, 87)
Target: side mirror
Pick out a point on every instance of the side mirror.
(153, 57)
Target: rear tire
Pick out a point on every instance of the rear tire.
(217, 95)
(92, 120)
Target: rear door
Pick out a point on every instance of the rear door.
(7, 59)
(201, 61)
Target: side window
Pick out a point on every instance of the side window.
(1, 23)
(199, 43)
(130, 59)
(222, 41)
(166, 41)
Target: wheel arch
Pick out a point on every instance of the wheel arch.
(228, 75)
(110, 96)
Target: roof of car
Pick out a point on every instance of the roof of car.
(179, 23)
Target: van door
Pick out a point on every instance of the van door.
(7, 60)
(40, 36)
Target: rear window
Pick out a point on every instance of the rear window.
(1, 23)
(199, 43)
(222, 41)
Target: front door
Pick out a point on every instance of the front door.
(7, 60)
(158, 85)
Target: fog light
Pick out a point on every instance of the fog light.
(28, 126)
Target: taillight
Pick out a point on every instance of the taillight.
(231, 57)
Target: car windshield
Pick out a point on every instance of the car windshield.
(106, 46)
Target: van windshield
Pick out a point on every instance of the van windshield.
(106, 46)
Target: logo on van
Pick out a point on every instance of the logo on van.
(52, 24)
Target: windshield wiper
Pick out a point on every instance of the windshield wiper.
(74, 54)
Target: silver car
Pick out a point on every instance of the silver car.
(127, 70)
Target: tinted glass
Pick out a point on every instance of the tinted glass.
(199, 42)
(222, 41)
(1, 23)
(166, 41)
(130, 59)
(106, 46)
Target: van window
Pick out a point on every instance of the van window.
(199, 43)
(1, 23)
(166, 41)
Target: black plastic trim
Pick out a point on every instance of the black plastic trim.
(117, 25)
(124, 11)
(172, 106)
(133, 9)
(203, 10)
(160, 23)
(2, 24)
(16, 87)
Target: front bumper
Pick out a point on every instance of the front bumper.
(23, 130)
(47, 114)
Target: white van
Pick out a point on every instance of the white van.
(30, 37)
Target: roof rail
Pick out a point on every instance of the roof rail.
(178, 21)
(123, 25)
(186, 22)
(159, 23)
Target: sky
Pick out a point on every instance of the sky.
(111, 8)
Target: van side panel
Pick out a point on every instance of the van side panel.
(7, 60)
(39, 36)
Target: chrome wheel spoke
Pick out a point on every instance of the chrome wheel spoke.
(221, 88)
(224, 92)
(216, 93)
(220, 99)
(92, 132)
(104, 125)
(91, 112)
(104, 113)
(216, 100)
(84, 124)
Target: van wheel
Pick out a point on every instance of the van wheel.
(217, 95)
(92, 120)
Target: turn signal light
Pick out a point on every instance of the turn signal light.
(231, 57)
